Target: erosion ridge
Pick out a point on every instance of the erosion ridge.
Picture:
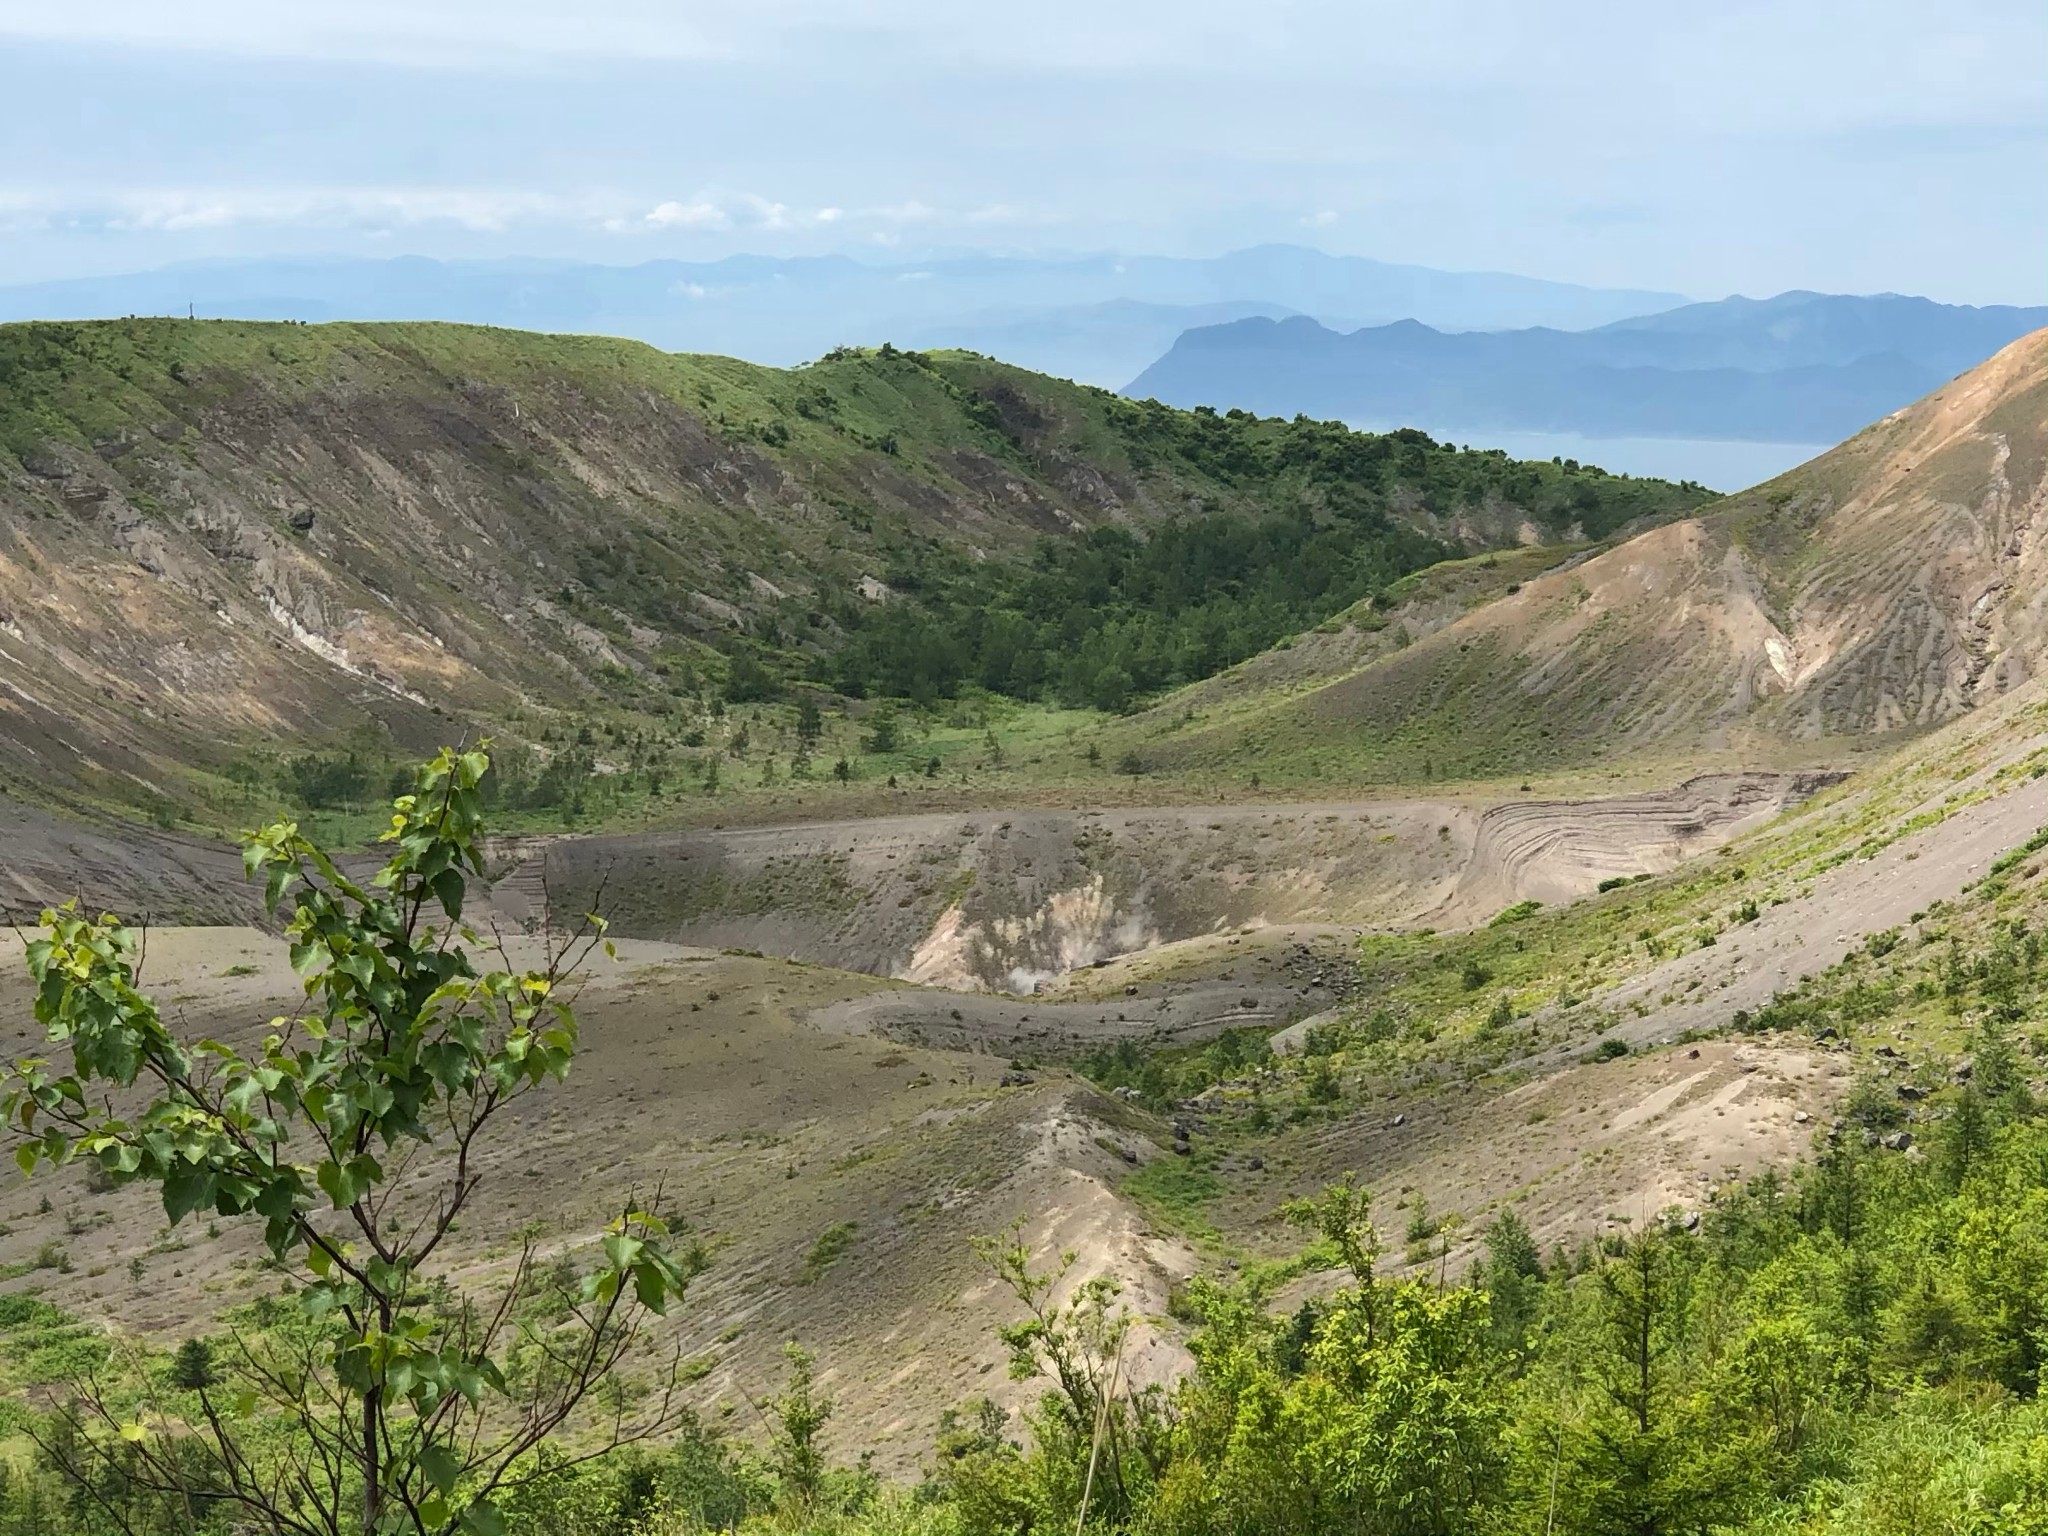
(1007, 901)
(1878, 591)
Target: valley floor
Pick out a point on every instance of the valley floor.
(837, 1128)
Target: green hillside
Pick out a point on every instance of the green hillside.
(344, 536)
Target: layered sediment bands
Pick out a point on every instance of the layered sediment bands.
(999, 901)
(146, 876)
(1003, 902)
(1560, 850)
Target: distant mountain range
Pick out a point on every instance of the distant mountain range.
(1274, 329)
(1098, 319)
(1800, 368)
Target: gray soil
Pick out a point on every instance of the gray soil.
(1009, 901)
(146, 875)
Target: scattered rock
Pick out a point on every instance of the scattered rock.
(1898, 1141)
(1398, 1121)
(1130, 1154)
(1800, 1117)
(1016, 1080)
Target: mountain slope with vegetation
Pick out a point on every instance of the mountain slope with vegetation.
(1575, 1289)
(1888, 586)
(223, 539)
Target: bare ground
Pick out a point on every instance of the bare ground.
(1816, 927)
(1008, 901)
(743, 1089)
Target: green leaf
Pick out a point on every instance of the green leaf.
(448, 888)
(440, 1466)
(651, 1286)
(187, 1188)
(336, 1183)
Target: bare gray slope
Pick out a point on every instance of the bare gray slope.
(149, 876)
(1006, 901)
(1815, 929)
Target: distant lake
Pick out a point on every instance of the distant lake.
(1720, 466)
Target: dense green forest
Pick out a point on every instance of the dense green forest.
(1108, 617)
(1115, 615)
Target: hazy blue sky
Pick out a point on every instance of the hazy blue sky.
(1840, 144)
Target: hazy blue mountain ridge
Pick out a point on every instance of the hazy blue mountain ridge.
(1800, 367)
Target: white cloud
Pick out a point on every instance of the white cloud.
(177, 209)
(1322, 218)
(697, 215)
(744, 211)
(764, 213)
(186, 210)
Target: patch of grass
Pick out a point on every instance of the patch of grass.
(828, 1250)
(1174, 1191)
(697, 1367)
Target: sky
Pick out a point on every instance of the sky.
(1843, 145)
